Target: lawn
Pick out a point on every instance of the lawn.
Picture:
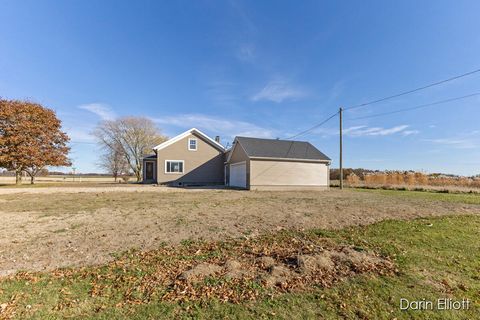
(432, 258)
(48, 228)
(470, 198)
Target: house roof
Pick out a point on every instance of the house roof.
(187, 133)
(281, 149)
(149, 156)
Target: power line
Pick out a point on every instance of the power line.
(413, 90)
(312, 128)
(417, 107)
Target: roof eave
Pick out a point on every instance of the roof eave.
(185, 134)
(292, 159)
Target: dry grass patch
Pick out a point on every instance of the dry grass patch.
(234, 271)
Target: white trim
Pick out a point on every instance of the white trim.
(185, 134)
(291, 159)
(183, 166)
(196, 144)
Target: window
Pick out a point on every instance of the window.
(192, 144)
(173, 166)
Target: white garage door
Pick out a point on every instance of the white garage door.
(238, 175)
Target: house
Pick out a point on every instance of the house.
(193, 158)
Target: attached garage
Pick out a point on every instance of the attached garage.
(277, 164)
(281, 173)
(238, 175)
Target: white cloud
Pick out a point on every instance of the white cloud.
(80, 135)
(221, 92)
(246, 52)
(278, 91)
(364, 131)
(454, 142)
(224, 127)
(410, 132)
(467, 140)
(353, 129)
(360, 131)
(104, 111)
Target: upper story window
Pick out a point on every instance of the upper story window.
(192, 144)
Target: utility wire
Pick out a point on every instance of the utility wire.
(312, 128)
(412, 91)
(395, 96)
(416, 107)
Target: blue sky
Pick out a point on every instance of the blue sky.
(257, 68)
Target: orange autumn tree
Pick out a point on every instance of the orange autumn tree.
(30, 138)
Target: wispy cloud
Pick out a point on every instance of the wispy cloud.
(468, 140)
(454, 143)
(104, 111)
(366, 131)
(246, 52)
(222, 92)
(80, 135)
(410, 132)
(279, 91)
(360, 131)
(224, 127)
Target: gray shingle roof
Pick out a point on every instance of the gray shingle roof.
(286, 149)
(149, 156)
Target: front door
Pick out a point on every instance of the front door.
(149, 170)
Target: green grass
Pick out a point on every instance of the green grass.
(468, 198)
(436, 258)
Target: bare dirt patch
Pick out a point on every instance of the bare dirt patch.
(231, 271)
(43, 231)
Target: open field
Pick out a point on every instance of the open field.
(54, 227)
(404, 187)
(47, 228)
(426, 258)
(60, 180)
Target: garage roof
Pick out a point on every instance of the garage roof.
(281, 149)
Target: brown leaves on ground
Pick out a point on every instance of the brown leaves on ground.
(231, 271)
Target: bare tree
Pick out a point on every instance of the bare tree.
(134, 136)
(114, 162)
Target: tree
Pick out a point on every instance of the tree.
(135, 136)
(114, 162)
(30, 138)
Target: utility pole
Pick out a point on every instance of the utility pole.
(341, 148)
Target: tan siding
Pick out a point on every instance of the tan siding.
(238, 154)
(288, 173)
(202, 166)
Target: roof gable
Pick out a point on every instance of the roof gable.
(281, 149)
(187, 133)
